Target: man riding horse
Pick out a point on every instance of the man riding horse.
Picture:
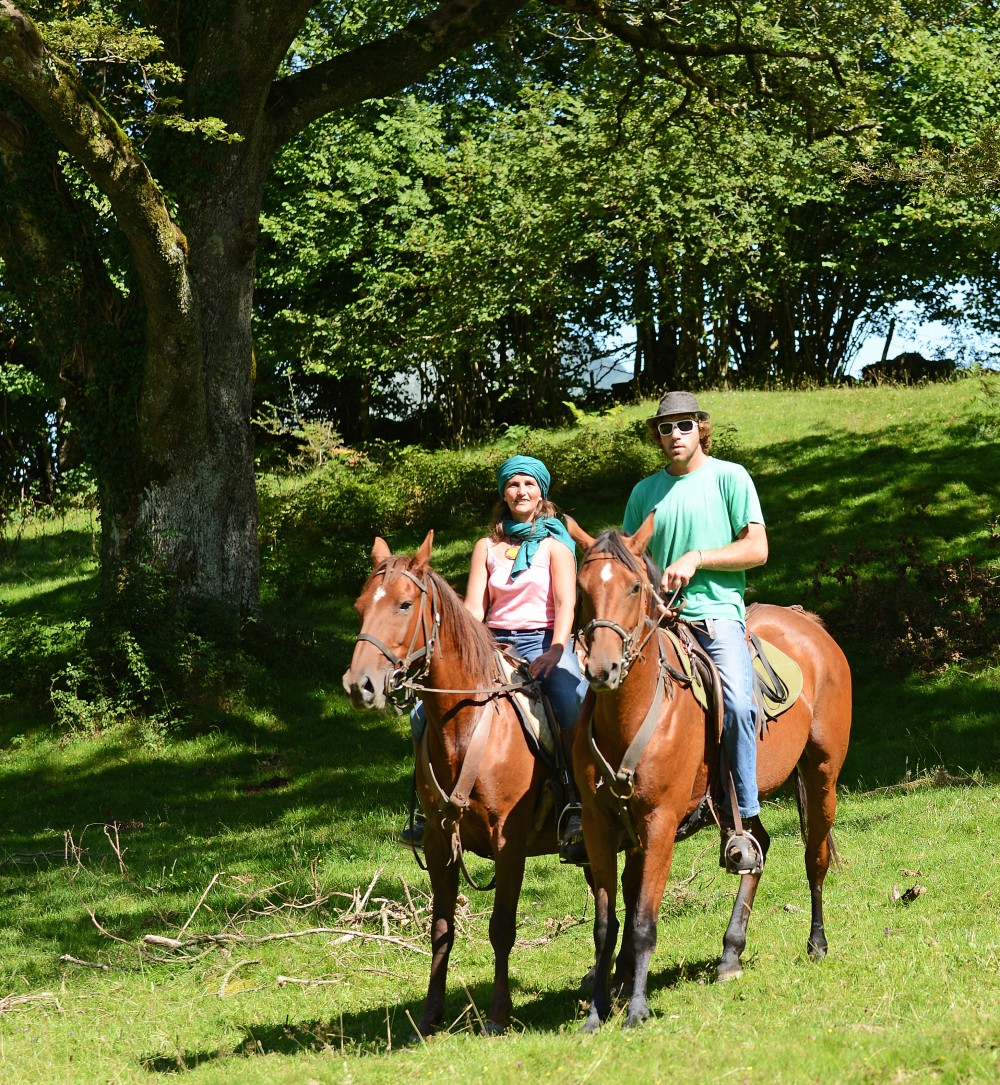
(708, 529)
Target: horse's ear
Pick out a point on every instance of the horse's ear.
(577, 534)
(423, 555)
(380, 552)
(637, 543)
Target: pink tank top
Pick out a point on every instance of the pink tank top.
(525, 603)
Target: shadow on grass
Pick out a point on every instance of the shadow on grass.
(379, 1032)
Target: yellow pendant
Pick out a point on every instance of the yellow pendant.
(511, 552)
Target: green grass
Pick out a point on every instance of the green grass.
(282, 803)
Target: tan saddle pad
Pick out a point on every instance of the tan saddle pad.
(777, 677)
(530, 704)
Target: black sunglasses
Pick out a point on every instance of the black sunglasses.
(685, 425)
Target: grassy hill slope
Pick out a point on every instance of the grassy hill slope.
(263, 818)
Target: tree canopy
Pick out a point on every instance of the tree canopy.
(440, 211)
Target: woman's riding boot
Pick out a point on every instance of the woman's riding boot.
(571, 846)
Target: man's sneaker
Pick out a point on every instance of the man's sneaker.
(571, 846)
(412, 836)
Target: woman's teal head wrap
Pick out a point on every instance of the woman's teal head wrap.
(532, 533)
(524, 465)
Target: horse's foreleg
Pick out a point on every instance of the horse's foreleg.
(624, 976)
(503, 924)
(734, 941)
(605, 938)
(444, 887)
(654, 867)
(604, 871)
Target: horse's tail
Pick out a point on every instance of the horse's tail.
(800, 801)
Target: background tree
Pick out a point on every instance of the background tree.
(137, 139)
(454, 250)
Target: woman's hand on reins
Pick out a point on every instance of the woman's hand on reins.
(542, 665)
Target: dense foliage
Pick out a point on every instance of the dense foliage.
(389, 223)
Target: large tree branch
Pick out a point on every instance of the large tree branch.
(53, 90)
(648, 32)
(379, 68)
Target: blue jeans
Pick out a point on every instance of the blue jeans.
(725, 640)
(564, 686)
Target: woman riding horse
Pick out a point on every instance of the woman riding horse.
(522, 583)
(478, 778)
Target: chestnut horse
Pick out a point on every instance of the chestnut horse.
(629, 665)
(480, 785)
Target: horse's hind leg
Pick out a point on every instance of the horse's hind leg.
(816, 793)
(734, 941)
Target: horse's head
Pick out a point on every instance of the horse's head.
(397, 627)
(616, 593)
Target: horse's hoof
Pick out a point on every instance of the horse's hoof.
(816, 953)
(636, 1018)
(724, 973)
(493, 1028)
(593, 1022)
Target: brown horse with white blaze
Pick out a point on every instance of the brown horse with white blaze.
(631, 664)
(478, 780)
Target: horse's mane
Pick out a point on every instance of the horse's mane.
(613, 542)
(473, 644)
(473, 641)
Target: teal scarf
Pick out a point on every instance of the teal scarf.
(531, 536)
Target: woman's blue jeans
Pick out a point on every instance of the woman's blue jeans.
(564, 686)
(725, 640)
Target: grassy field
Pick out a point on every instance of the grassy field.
(260, 834)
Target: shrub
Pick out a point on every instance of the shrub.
(918, 614)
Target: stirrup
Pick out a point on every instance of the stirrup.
(572, 849)
(412, 835)
(741, 853)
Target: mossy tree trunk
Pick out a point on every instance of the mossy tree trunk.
(159, 366)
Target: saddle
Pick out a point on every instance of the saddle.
(541, 732)
(530, 705)
(777, 678)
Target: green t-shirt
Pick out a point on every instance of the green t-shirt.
(703, 510)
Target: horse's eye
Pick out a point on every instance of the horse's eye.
(635, 588)
(406, 604)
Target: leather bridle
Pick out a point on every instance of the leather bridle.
(632, 645)
(427, 621)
